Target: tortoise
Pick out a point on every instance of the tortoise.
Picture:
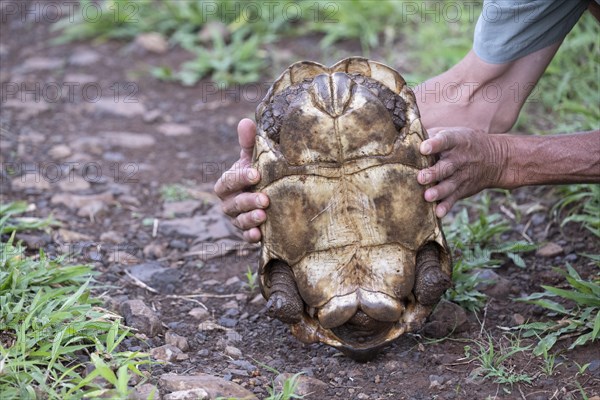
(351, 254)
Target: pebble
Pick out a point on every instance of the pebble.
(152, 42)
(550, 249)
(192, 394)
(32, 183)
(177, 341)
(152, 116)
(127, 140)
(172, 129)
(141, 317)
(40, 64)
(121, 108)
(144, 392)
(168, 353)
(228, 322)
(199, 313)
(60, 151)
(201, 228)
(492, 284)
(446, 318)
(183, 208)
(233, 352)
(74, 184)
(85, 57)
(213, 385)
(435, 381)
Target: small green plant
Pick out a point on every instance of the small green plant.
(251, 279)
(582, 319)
(475, 248)
(175, 192)
(549, 362)
(496, 360)
(10, 223)
(579, 204)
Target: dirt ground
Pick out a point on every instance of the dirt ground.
(87, 119)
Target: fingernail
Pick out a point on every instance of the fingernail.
(260, 201)
(423, 178)
(252, 175)
(425, 148)
(256, 216)
(440, 211)
(431, 195)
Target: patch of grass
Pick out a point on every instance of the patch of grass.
(579, 204)
(175, 192)
(51, 329)
(581, 319)
(495, 360)
(10, 223)
(477, 244)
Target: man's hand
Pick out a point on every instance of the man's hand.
(245, 208)
(469, 162)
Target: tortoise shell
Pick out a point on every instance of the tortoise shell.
(338, 153)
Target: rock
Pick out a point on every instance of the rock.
(141, 317)
(233, 352)
(28, 108)
(145, 392)
(435, 381)
(192, 394)
(32, 182)
(550, 249)
(34, 242)
(166, 281)
(74, 184)
(232, 281)
(445, 319)
(518, 319)
(40, 64)
(492, 284)
(172, 129)
(112, 237)
(145, 271)
(312, 388)
(92, 209)
(71, 236)
(75, 201)
(178, 341)
(153, 42)
(82, 58)
(201, 228)
(168, 353)
(154, 250)
(122, 257)
(184, 208)
(152, 116)
(128, 140)
(214, 386)
(60, 151)
(199, 313)
(121, 108)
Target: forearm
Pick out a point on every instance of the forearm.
(557, 159)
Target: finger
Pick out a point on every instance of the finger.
(442, 141)
(252, 235)
(441, 191)
(442, 209)
(250, 219)
(440, 171)
(246, 136)
(236, 180)
(244, 202)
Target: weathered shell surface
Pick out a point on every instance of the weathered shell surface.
(338, 155)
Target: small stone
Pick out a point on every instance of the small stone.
(492, 284)
(594, 366)
(199, 313)
(34, 242)
(177, 341)
(230, 304)
(127, 140)
(183, 208)
(306, 385)
(214, 386)
(172, 129)
(201, 228)
(154, 250)
(446, 318)
(192, 394)
(435, 381)
(28, 108)
(550, 249)
(228, 322)
(112, 237)
(233, 352)
(31, 182)
(93, 210)
(60, 151)
(152, 116)
(82, 58)
(74, 184)
(153, 42)
(518, 319)
(41, 64)
(232, 281)
(75, 201)
(120, 108)
(69, 236)
(167, 353)
(141, 317)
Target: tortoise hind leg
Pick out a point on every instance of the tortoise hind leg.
(430, 281)
(285, 302)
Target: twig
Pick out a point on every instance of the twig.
(140, 283)
(174, 296)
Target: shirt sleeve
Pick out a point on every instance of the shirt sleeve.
(510, 29)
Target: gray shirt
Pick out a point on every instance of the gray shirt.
(510, 29)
